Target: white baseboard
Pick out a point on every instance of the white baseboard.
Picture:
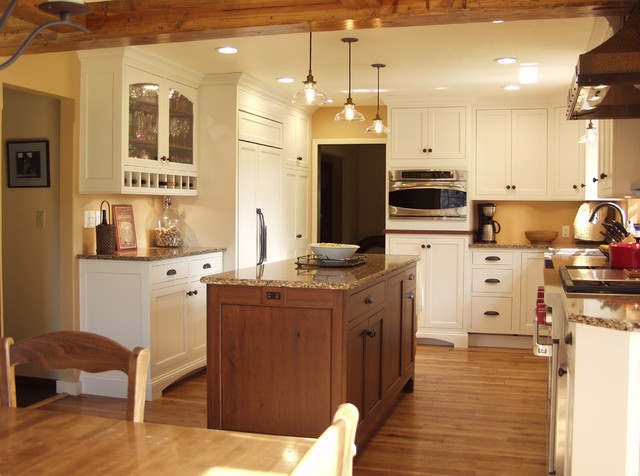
(498, 340)
(445, 337)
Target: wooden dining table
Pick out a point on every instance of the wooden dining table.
(45, 442)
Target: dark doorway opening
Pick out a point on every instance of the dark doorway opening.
(351, 202)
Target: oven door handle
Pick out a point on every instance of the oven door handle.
(394, 186)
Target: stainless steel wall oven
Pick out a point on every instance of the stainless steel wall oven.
(428, 193)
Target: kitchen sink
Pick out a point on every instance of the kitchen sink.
(598, 279)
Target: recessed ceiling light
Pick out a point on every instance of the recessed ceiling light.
(511, 87)
(497, 21)
(329, 100)
(286, 79)
(227, 50)
(528, 74)
(441, 88)
(505, 60)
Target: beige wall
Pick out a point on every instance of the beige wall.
(324, 127)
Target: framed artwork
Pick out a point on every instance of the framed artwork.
(125, 227)
(28, 163)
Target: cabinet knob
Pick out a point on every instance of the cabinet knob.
(369, 299)
(582, 185)
(411, 277)
(428, 246)
(603, 176)
(192, 293)
(595, 180)
(424, 150)
(299, 158)
(513, 187)
(189, 293)
(423, 246)
(411, 296)
(164, 158)
(371, 333)
(508, 187)
(568, 339)
(298, 235)
(561, 372)
(575, 187)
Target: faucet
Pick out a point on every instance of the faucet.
(593, 219)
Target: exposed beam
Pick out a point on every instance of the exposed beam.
(140, 22)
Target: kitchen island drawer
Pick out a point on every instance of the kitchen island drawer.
(169, 272)
(491, 280)
(367, 299)
(491, 314)
(492, 257)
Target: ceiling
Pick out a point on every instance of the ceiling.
(418, 59)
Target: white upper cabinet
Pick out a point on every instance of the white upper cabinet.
(511, 154)
(618, 161)
(568, 178)
(428, 133)
(296, 139)
(138, 130)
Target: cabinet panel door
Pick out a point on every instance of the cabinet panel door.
(493, 152)
(247, 221)
(532, 277)
(568, 157)
(392, 334)
(411, 245)
(169, 327)
(444, 282)
(446, 133)
(356, 366)
(409, 327)
(270, 190)
(529, 150)
(197, 312)
(373, 362)
(408, 129)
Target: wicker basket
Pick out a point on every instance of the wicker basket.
(105, 235)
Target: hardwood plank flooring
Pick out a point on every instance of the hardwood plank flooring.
(474, 412)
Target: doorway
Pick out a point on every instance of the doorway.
(351, 201)
(31, 226)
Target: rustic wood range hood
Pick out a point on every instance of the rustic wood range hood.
(607, 80)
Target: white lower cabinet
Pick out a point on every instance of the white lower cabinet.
(504, 287)
(440, 283)
(160, 305)
(296, 211)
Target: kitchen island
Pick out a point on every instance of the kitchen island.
(598, 376)
(287, 344)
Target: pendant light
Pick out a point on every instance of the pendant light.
(591, 134)
(349, 113)
(377, 127)
(309, 95)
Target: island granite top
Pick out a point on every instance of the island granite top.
(287, 274)
(611, 311)
(152, 254)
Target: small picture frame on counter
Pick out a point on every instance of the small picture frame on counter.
(125, 227)
(28, 163)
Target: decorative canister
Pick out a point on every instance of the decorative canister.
(167, 227)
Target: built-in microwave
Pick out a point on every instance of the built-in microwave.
(428, 193)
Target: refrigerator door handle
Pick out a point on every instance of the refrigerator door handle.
(262, 237)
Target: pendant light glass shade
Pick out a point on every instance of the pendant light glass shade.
(309, 96)
(377, 127)
(590, 135)
(349, 113)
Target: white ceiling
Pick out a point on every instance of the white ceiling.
(418, 59)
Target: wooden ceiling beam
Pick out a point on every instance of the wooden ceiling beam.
(140, 22)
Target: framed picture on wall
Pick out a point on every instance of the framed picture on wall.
(28, 163)
(125, 227)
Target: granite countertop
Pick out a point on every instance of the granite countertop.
(152, 254)
(514, 245)
(287, 274)
(620, 312)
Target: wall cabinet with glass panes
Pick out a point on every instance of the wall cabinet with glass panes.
(138, 124)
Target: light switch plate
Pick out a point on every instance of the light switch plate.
(565, 231)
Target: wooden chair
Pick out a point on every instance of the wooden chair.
(332, 453)
(76, 350)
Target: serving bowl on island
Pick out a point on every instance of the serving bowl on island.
(333, 250)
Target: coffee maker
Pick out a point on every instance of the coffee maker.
(488, 228)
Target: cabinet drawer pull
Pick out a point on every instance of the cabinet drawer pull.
(206, 266)
(491, 313)
(492, 258)
(411, 277)
(298, 235)
(299, 158)
(371, 333)
(492, 281)
(369, 299)
(411, 296)
(171, 272)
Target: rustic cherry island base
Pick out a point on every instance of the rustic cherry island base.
(287, 345)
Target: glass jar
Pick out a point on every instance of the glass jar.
(167, 227)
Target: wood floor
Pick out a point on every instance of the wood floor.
(475, 412)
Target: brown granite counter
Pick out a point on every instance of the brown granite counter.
(152, 254)
(516, 246)
(620, 312)
(288, 274)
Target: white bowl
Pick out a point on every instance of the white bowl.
(333, 250)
